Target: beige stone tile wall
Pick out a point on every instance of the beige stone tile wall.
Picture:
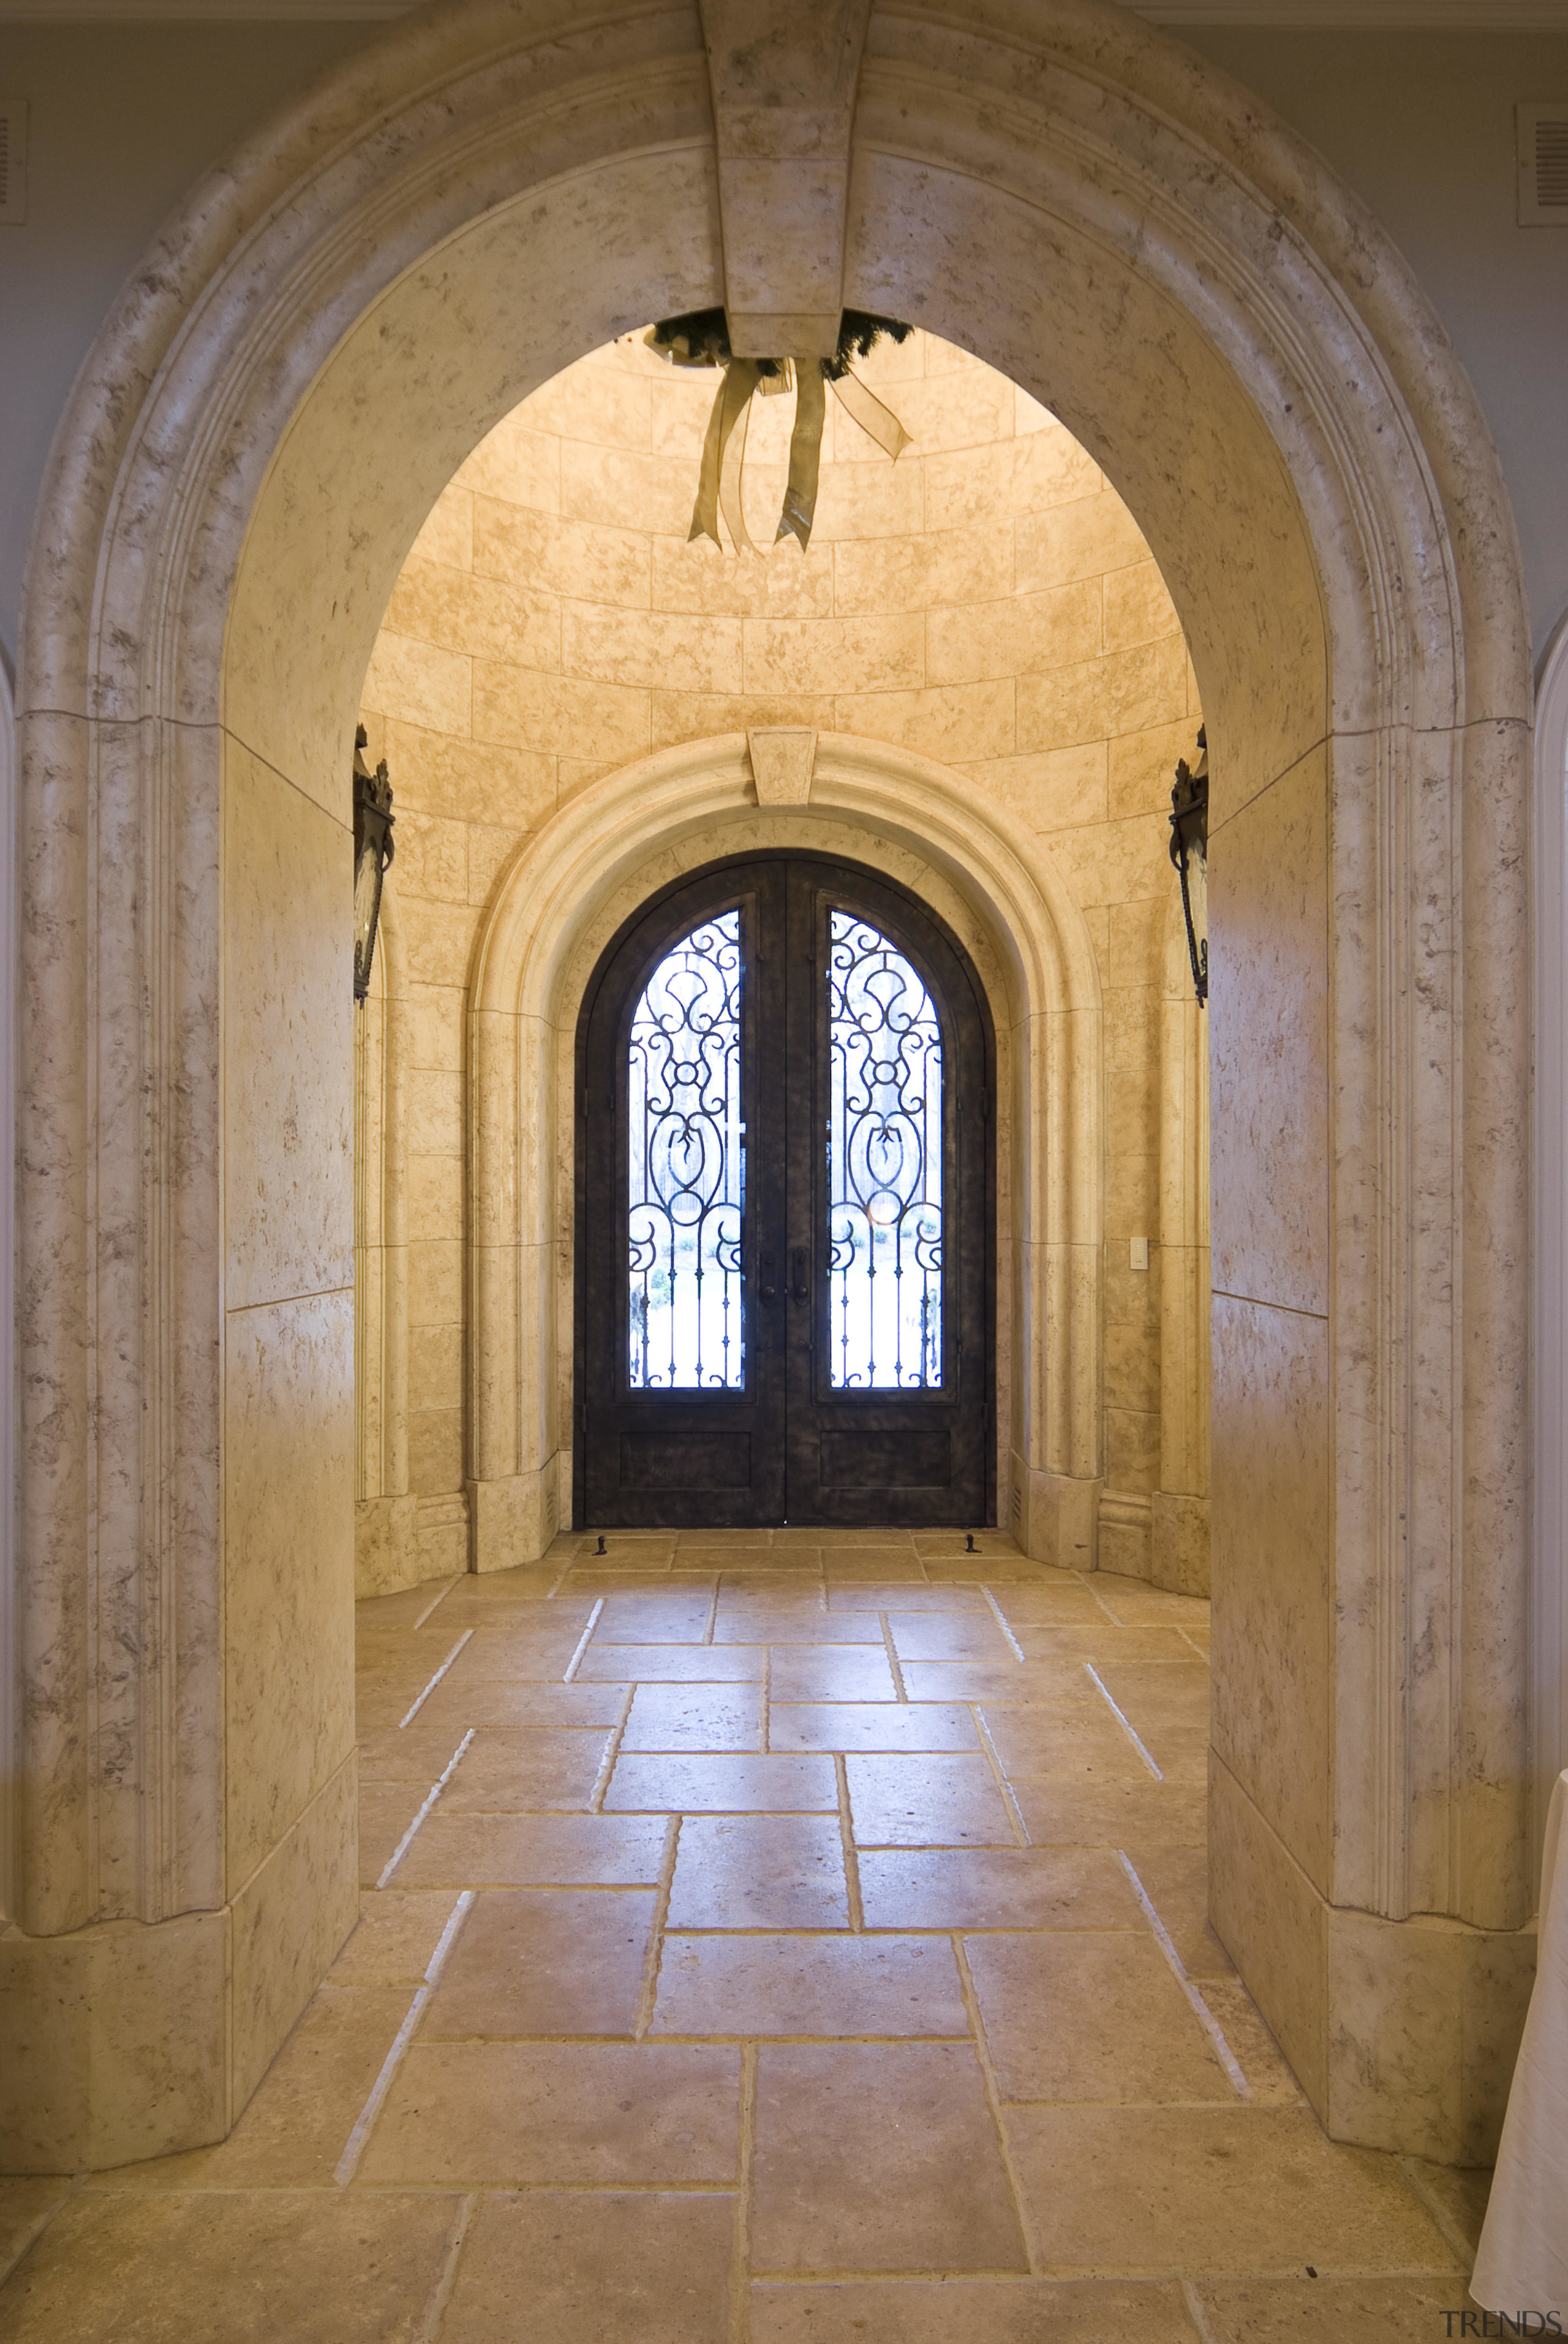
(987, 600)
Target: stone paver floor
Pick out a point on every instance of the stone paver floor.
(770, 1940)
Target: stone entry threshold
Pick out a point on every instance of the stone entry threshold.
(778, 1940)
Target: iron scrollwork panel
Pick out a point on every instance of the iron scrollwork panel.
(885, 1159)
(686, 1168)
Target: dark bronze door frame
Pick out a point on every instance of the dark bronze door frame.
(789, 1437)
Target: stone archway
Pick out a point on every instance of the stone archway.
(1001, 894)
(319, 336)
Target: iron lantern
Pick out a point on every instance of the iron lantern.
(1190, 854)
(372, 857)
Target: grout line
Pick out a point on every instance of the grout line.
(1085, 1580)
(712, 1612)
(430, 1607)
(1001, 1623)
(1123, 1721)
(993, 2096)
(650, 1969)
(435, 1681)
(607, 1764)
(1201, 2010)
(892, 1655)
(436, 2310)
(767, 1692)
(354, 2148)
(1197, 2311)
(1202, 1655)
(1449, 2228)
(575, 1661)
(741, 2300)
(847, 1838)
(431, 1796)
(1014, 1812)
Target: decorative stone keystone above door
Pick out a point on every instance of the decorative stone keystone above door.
(783, 763)
(783, 79)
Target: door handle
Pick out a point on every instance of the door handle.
(799, 1290)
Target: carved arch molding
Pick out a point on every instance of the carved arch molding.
(319, 338)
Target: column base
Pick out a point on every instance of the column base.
(1403, 2034)
(386, 1546)
(1178, 1543)
(1057, 1516)
(514, 1521)
(135, 2039)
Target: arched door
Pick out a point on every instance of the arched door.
(784, 1210)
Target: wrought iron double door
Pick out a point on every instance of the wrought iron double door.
(784, 1210)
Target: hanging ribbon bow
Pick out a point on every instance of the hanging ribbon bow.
(702, 339)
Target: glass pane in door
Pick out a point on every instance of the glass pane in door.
(687, 1167)
(884, 1165)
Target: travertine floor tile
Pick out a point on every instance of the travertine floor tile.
(1462, 2193)
(672, 1616)
(417, 1755)
(809, 1986)
(575, 2114)
(1073, 2016)
(541, 1770)
(877, 2157)
(385, 1812)
(397, 1931)
(969, 2311)
(1005, 1680)
(517, 1659)
(897, 1561)
(1176, 1882)
(760, 1872)
(316, 2266)
(535, 1851)
(673, 1663)
(995, 1888)
(1096, 1639)
(1111, 1815)
(1156, 1693)
(874, 1725)
(1134, 1601)
(561, 2268)
(1075, 1740)
(947, 1636)
(1326, 2310)
(695, 1717)
(725, 1784)
(545, 1961)
(926, 1802)
(24, 2203)
(1268, 2071)
(832, 1672)
(1213, 2189)
(753, 1623)
(907, 1595)
(515, 1708)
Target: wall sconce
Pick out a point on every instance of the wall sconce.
(1190, 854)
(372, 857)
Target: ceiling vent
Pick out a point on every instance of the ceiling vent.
(1544, 165)
(13, 161)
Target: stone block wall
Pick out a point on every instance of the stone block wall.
(987, 600)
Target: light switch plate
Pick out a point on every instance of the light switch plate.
(1140, 1253)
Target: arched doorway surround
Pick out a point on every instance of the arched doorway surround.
(566, 895)
(316, 339)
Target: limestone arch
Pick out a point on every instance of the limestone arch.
(314, 341)
(563, 898)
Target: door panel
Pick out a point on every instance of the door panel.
(784, 1210)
